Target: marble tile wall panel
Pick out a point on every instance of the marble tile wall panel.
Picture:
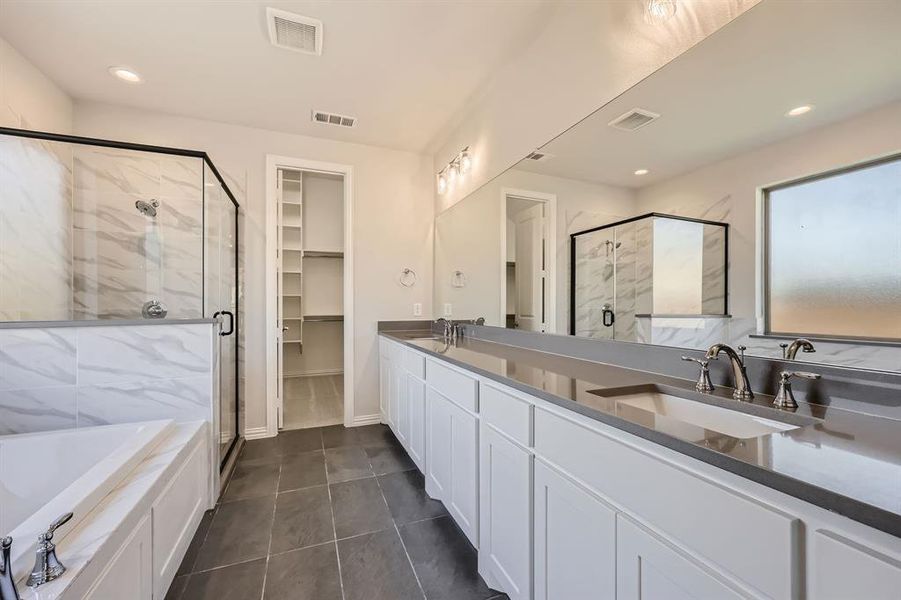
(35, 229)
(625, 288)
(713, 273)
(124, 258)
(65, 377)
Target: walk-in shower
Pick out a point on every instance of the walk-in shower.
(98, 230)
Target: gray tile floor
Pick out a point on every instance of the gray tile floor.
(313, 401)
(328, 513)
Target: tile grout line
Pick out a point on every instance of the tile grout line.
(331, 506)
(396, 530)
(278, 481)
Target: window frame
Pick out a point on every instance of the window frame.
(765, 255)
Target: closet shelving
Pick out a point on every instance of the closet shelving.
(311, 242)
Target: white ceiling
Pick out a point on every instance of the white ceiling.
(729, 94)
(402, 68)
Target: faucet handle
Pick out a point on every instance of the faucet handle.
(742, 349)
(59, 522)
(703, 385)
(784, 347)
(784, 397)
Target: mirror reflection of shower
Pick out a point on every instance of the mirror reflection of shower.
(153, 259)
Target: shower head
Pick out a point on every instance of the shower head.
(148, 209)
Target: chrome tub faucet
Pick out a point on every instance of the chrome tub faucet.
(8, 589)
(46, 565)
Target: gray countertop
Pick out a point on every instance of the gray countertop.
(845, 462)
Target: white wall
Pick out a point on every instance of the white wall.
(393, 213)
(588, 53)
(28, 100)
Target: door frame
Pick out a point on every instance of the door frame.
(273, 163)
(550, 262)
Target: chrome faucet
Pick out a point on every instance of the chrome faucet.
(46, 566)
(789, 351)
(446, 325)
(703, 385)
(8, 589)
(739, 373)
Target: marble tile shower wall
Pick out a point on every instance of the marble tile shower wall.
(123, 258)
(65, 377)
(35, 229)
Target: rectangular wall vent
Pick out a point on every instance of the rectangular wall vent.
(634, 119)
(333, 119)
(294, 32)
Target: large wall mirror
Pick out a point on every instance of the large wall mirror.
(745, 192)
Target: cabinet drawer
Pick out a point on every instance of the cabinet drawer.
(414, 363)
(506, 413)
(454, 385)
(761, 547)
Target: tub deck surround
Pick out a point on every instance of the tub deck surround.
(846, 462)
(45, 475)
(88, 548)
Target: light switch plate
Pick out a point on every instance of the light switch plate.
(447, 310)
(417, 309)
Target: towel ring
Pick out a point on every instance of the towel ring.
(407, 277)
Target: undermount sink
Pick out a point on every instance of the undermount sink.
(689, 418)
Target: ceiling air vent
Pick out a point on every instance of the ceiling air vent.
(539, 156)
(294, 32)
(333, 119)
(634, 119)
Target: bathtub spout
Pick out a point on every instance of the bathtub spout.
(8, 589)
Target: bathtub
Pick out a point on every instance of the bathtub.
(45, 475)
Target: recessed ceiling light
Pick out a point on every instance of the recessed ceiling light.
(125, 74)
(642, 172)
(799, 110)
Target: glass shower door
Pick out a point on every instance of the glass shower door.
(221, 224)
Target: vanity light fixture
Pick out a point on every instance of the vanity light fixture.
(125, 74)
(459, 166)
(799, 110)
(642, 172)
(659, 11)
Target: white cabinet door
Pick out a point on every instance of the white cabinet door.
(385, 377)
(129, 575)
(452, 461)
(647, 568)
(505, 515)
(575, 540)
(464, 500)
(845, 569)
(416, 438)
(440, 446)
(402, 412)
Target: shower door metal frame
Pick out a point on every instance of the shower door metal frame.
(572, 256)
(104, 143)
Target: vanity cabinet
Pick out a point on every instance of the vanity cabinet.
(575, 540)
(386, 381)
(647, 568)
(505, 513)
(563, 506)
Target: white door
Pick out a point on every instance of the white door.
(505, 515)
(575, 541)
(416, 437)
(649, 569)
(530, 281)
(843, 568)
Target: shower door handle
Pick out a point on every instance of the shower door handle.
(231, 321)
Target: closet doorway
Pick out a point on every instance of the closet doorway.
(311, 276)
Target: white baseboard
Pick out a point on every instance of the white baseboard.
(255, 433)
(367, 420)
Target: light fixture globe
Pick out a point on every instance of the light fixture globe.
(659, 11)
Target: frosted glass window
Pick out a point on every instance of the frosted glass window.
(834, 254)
